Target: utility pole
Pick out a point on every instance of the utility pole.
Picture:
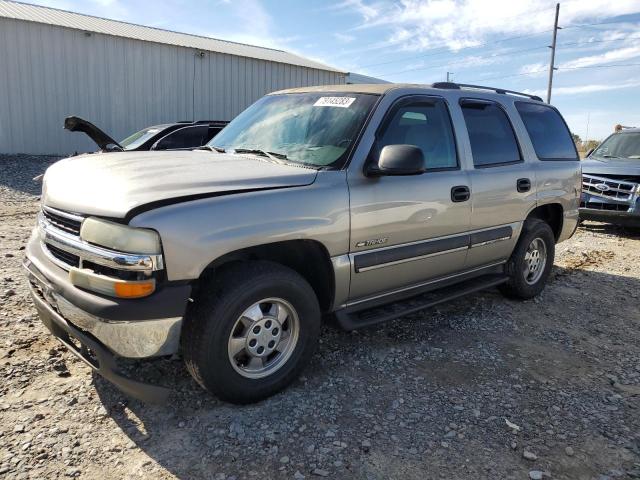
(449, 74)
(586, 136)
(553, 53)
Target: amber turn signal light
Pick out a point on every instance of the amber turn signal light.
(113, 287)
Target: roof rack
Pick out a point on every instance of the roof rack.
(459, 86)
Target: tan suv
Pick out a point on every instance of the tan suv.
(337, 199)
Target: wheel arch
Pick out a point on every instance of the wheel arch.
(309, 258)
(552, 214)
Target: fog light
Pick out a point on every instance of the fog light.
(112, 287)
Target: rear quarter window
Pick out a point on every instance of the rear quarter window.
(548, 132)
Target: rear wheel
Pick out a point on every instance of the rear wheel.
(531, 261)
(252, 331)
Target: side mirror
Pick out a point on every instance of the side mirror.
(398, 160)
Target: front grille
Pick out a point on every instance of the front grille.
(609, 188)
(616, 207)
(64, 223)
(66, 257)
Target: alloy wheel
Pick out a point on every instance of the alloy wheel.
(263, 338)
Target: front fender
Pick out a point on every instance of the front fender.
(196, 233)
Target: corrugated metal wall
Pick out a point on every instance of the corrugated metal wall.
(121, 85)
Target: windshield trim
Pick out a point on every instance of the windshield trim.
(348, 154)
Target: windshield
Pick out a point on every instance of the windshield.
(138, 138)
(315, 129)
(620, 145)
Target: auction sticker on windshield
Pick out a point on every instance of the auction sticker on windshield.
(342, 102)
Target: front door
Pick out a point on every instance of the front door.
(406, 230)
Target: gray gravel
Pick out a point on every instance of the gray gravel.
(483, 388)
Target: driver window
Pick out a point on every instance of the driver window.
(425, 124)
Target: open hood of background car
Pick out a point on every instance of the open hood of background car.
(104, 141)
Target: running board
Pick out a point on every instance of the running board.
(350, 318)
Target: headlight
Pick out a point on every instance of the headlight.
(120, 237)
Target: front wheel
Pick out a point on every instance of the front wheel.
(531, 261)
(252, 331)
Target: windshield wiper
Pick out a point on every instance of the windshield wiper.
(256, 151)
(211, 148)
(610, 156)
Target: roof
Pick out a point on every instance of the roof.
(88, 23)
(382, 88)
(376, 88)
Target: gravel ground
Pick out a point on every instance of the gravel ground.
(482, 388)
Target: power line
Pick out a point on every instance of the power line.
(589, 42)
(533, 72)
(602, 66)
(585, 25)
(511, 52)
(426, 67)
(447, 49)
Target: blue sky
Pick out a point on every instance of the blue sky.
(499, 43)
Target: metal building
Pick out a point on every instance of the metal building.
(356, 78)
(123, 77)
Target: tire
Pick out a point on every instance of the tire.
(221, 347)
(523, 283)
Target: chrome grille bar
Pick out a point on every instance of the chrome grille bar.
(609, 188)
(60, 239)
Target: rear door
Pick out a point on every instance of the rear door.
(408, 229)
(557, 161)
(502, 182)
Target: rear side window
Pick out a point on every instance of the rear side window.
(426, 124)
(548, 132)
(187, 137)
(493, 141)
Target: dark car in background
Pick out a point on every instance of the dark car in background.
(168, 136)
(611, 180)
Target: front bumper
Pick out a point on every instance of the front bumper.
(609, 211)
(619, 218)
(106, 327)
(94, 354)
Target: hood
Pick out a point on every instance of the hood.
(113, 184)
(104, 141)
(611, 166)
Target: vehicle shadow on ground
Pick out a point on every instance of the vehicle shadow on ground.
(18, 171)
(197, 436)
(611, 229)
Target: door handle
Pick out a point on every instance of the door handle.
(461, 193)
(523, 185)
